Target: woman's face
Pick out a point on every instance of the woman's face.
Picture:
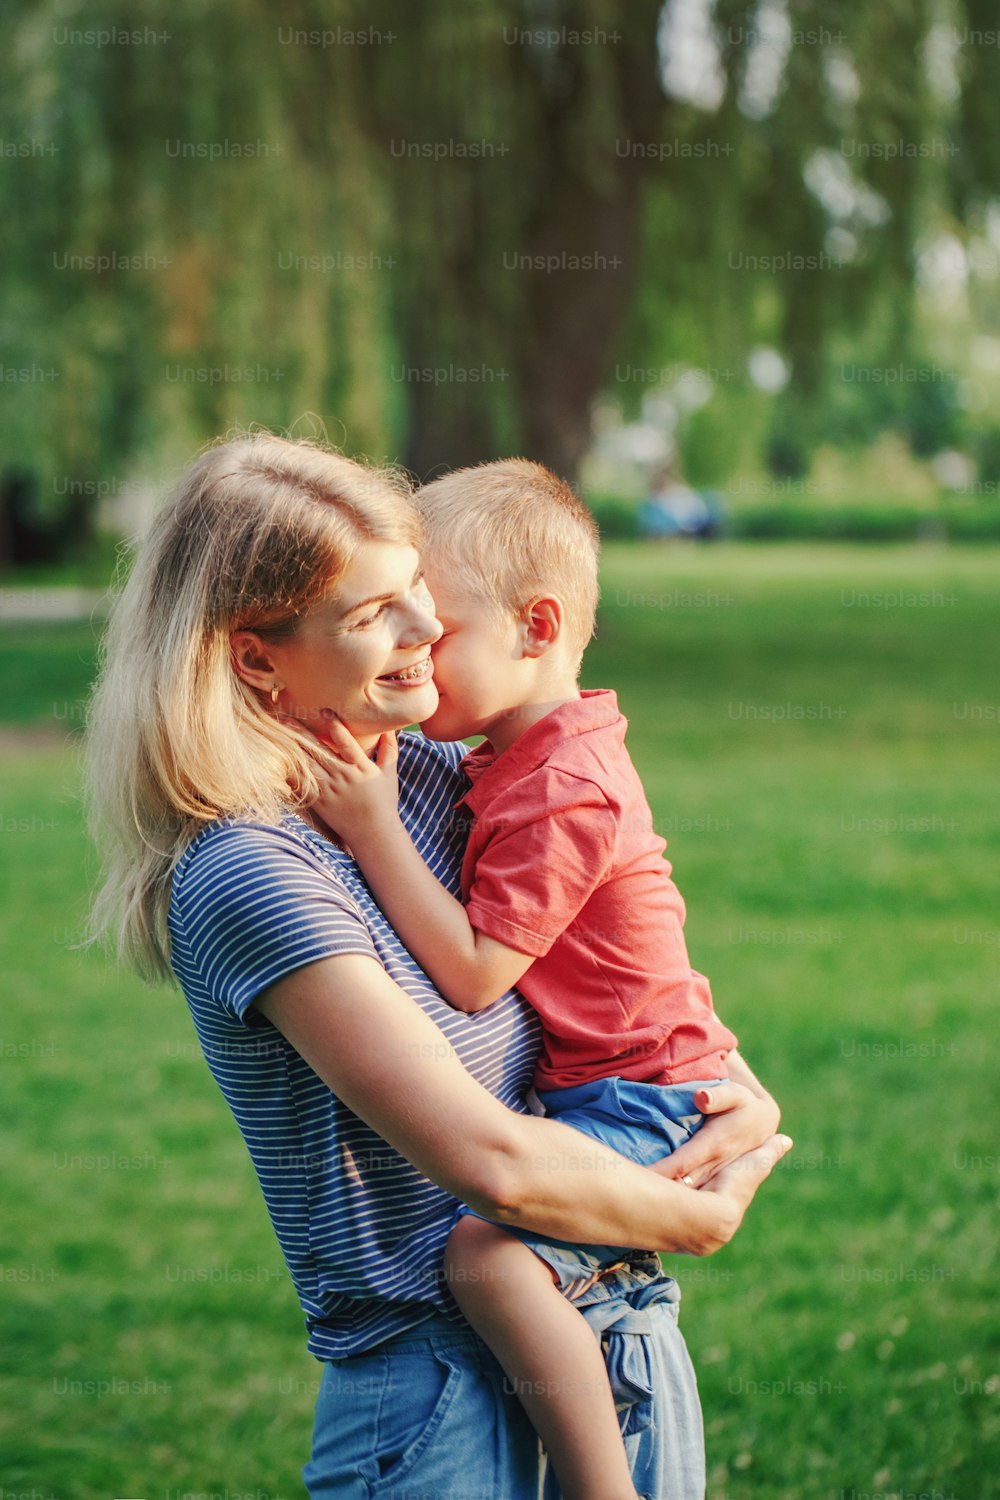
(365, 653)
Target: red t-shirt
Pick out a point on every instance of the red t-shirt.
(562, 863)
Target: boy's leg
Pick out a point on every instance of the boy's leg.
(550, 1355)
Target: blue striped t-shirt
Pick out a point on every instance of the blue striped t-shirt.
(361, 1230)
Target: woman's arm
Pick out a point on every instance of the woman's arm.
(392, 1066)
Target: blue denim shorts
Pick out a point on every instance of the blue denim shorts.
(425, 1416)
(643, 1121)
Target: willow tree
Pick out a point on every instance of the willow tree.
(172, 199)
(556, 206)
(441, 226)
(516, 224)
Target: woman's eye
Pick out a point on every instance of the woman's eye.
(370, 619)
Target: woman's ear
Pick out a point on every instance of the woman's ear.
(542, 623)
(252, 660)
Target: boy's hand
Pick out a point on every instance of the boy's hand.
(738, 1121)
(357, 790)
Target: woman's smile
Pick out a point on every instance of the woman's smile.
(365, 653)
(414, 676)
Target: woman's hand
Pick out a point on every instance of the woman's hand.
(734, 1186)
(356, 791)
(739, 1119)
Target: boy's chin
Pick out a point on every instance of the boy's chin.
(444, 726)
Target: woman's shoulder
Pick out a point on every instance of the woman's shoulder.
(234, 851)
(250, 902)
(237, 839)
(246, 888)
(236, 854)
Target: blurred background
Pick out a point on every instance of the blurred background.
(757, 243)
(735, 271)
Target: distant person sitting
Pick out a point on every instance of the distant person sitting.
(674, 509)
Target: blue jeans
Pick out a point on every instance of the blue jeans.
(634, 1314)
(429, 1415)
(425, 1416)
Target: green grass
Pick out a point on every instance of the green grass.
(846, 1341)
(46, 670)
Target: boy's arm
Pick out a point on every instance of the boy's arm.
(470, 969)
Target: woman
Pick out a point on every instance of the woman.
(279, 587)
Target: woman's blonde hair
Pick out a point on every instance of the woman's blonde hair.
(258, 532)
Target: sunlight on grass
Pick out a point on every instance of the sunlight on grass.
(842, 876)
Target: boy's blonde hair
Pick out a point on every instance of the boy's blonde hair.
(258, 532)
(510, 531)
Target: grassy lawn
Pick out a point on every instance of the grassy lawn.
(818, 732)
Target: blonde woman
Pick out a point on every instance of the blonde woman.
(281, 587)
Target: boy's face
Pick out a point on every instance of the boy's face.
(476, 664)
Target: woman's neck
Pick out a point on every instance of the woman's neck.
(318, 826)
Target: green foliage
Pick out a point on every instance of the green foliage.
(873, 522)
(207, 314)
(618, 519)
(790, 520)
(265, 223)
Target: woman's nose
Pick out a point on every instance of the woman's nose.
(423, 627)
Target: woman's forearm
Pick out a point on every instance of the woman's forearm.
(563, 1183)
(387, 1061)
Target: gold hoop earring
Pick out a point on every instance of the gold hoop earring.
(274, 693)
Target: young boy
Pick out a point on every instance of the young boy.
(566, 894)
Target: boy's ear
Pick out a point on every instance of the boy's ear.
(252, 660)
(541, 624)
